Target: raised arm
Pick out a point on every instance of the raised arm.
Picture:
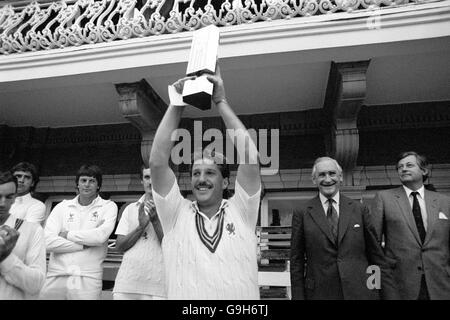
(162, 176)
(248, 174)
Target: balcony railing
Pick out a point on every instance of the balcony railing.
(46, 25)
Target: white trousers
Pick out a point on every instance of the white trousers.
(71, 288)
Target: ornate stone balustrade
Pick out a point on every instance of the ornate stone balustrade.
(47, 25)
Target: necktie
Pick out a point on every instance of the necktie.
(418, 216)
(332, 218)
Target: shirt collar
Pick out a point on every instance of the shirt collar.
(23, 198)
(324, 200)
(8, 221)
(195, 208)
(421, 191)
(141, 199)
(74, 202)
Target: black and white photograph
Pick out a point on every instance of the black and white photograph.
(230, 155)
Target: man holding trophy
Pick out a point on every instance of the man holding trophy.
(209, 244)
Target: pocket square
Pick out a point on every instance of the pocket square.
(442, 216)
(356, 226)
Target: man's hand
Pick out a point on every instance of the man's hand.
(100, 223)
(144, 218)
(179, 84)
(8, 240)
(150, 209)
(63, 234)
(216, 79)
(219, 88)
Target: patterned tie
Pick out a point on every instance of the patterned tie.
(418, 216)
(332, 218)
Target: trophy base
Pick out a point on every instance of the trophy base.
(199, 100)
(198, 92)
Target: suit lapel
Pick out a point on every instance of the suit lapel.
(403, 202)
(432, 206)
(345, 210)
(318, 215)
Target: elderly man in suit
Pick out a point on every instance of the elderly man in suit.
(415, 224)
(334, 238)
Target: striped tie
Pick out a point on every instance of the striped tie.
(332, 218)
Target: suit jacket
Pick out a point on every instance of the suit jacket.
(335, 271)
(408, 256)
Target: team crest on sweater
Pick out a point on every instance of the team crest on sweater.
(94, 216)
(230, 228)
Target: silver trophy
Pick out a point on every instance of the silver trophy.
(202, 61)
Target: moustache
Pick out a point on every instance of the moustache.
(203, 184)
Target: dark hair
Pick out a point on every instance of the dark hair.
(421, 161)
(28, 167)
(219, 160)
(141, 173)
(90, 170)
(6, 177)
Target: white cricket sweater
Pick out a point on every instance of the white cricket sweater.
(192, 270)
(67, 255)
(142, 268)
(22, 273)
(28, 208)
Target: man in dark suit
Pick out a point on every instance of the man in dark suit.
(415, 224)
(333, 237)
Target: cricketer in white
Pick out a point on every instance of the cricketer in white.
(22, 249)
(209, 245)
(76, 235)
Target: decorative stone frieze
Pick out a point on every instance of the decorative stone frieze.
(50, 25)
